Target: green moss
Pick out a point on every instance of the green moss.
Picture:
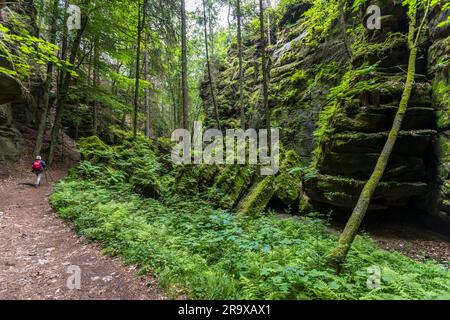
(95, 150)
(147, 182)
(353, 83)
(230, 184)
(258, 198)
(441, 97)
(288, 184)
(444, 157)
(9, 150)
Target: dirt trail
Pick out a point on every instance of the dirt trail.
(37, 247)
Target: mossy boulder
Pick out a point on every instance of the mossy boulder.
(193, 179)
(230, 185)
(256, 201)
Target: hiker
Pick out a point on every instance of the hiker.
(38, 168)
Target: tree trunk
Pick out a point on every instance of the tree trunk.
(347, 237)
(269, 38)
(184, 85)
(241, 80)
(228, 23)
(47, 86)
(140, 27)
(95, 83)
(264, 72)
(148, 128)
(63, 55)
(62, 92)
(208, 64)
(210, 26)
(344, 28)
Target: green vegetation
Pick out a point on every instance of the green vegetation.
(208, 253)
(135, 71)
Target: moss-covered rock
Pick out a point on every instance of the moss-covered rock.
(9, 150)
(360, 165)
(344, 192)
(230, 185)
(409, 142)
(193, 179)
(256, 201)
(95, 150)
(380, 118)
(10, 89)
(288, 184)
(9, 136)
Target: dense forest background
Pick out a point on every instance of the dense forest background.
(364, 123)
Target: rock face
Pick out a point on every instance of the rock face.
(10, 91)
(360, 128)
(338, 122)
(9, 147)
(439, 72)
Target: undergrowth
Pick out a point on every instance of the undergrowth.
(208, 253)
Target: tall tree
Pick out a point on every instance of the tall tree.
(184, 84)
(241, 80)
(208, 65)
(140, 28)
(347, 237)
(64, 42)
(229, 23)
(148, 127)
(63, 90)
(47, 85)
(264, 70)
(95, 84)
(342, 9)
(269, 38)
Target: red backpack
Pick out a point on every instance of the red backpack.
(37, 166)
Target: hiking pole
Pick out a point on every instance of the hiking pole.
(46, 179)
(51, 179)
(47, 174)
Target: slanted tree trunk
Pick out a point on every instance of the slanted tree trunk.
(184, 84)
(47, 86)
(140, 27)
(241, 80)
(347, 237)
(208, 64)
(264, 71)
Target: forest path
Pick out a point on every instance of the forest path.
(37, 247)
